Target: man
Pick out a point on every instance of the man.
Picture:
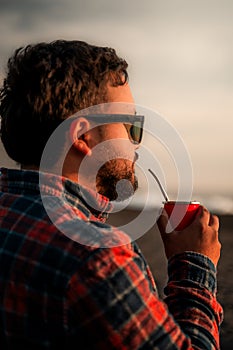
(63, 284)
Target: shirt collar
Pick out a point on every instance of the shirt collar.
(29, 182)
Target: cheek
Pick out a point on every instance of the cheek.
(96, 136)
(115, 131)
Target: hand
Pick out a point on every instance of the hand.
(200, 236)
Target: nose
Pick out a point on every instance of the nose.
(136, 156)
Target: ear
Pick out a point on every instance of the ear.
(78, 129)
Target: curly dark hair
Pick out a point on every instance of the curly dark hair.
(45, 84)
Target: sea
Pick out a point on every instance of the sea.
(219, 204)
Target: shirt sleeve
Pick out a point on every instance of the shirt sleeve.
(191, 298)
(112, 303)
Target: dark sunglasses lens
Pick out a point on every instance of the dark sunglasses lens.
(136, 132)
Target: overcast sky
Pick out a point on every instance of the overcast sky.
(180, 57)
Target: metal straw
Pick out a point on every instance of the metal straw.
(160, 185)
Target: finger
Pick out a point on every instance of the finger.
(199, 213)
(208, 219)
(214, 222)
(204, 215)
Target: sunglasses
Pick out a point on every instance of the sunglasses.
(133, 123)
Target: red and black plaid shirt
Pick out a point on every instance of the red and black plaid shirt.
(56, 293)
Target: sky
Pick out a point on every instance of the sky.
(180, 57)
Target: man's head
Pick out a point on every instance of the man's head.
(48, 83)
(45, 84)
